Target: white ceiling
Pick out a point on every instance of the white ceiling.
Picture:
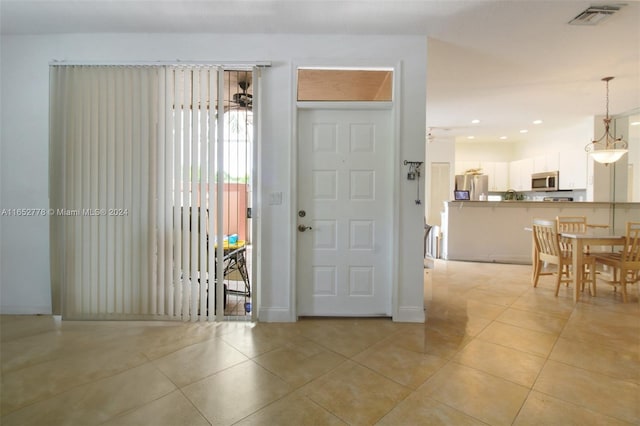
(505, 63)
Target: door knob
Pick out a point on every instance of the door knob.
(303, 228)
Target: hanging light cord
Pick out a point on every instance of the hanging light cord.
(610, 142)
(607, 120)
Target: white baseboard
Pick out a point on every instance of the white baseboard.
(24, 310)
(504, 258)
(275, 315)
(410, 314)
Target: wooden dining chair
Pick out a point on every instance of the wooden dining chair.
(575, 225)
(547, 245)
(572, 224)
(625, 263)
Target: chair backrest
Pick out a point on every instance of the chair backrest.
(545, 234)
(572, 224)
(631, 252)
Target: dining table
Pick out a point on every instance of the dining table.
(593, 237)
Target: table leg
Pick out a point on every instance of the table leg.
(534, 259)
(576, 261)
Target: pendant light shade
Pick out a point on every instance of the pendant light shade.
(607, 156)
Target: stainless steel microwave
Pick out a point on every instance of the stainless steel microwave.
(547, 181)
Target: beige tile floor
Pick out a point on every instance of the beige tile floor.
(493, 351)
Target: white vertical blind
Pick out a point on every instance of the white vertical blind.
(133, 165)
(102, 131)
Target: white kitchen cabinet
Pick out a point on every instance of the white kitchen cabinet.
(520, 174)
(498, 172)
(546, 163)
(572, 169)
(514, 175)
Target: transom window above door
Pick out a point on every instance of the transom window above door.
(358, 85)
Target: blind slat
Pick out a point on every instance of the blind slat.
(213, 206)
(194, 211)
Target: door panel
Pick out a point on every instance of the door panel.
(345, 190)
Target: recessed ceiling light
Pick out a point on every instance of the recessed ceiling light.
(537, 121)
(503, 137)
(524, 131)
(471, 137)
(476, 121)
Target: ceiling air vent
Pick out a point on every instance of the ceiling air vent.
(594, 15)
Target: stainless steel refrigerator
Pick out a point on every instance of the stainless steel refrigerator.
(477, 185)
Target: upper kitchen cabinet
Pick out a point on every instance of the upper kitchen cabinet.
(546, 163)
(572, 167)
(498, 172)
(520, 172)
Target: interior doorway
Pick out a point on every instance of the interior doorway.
(439, 190)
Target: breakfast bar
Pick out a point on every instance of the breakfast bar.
(494, 231)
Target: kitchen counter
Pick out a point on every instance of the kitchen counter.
(581, 203)
(494, 231)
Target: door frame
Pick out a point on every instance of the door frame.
(394, 106)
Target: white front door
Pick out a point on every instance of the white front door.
(345, 197)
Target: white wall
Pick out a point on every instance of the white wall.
(485, 151)
(24, 278)
(574, 136)
(632, 134)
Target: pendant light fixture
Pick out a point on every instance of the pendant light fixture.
(607, 149)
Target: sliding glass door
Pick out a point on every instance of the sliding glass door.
(151, 172)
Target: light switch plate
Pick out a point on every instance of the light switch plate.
(275, 198)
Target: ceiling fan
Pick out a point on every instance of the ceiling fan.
(243, 99)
